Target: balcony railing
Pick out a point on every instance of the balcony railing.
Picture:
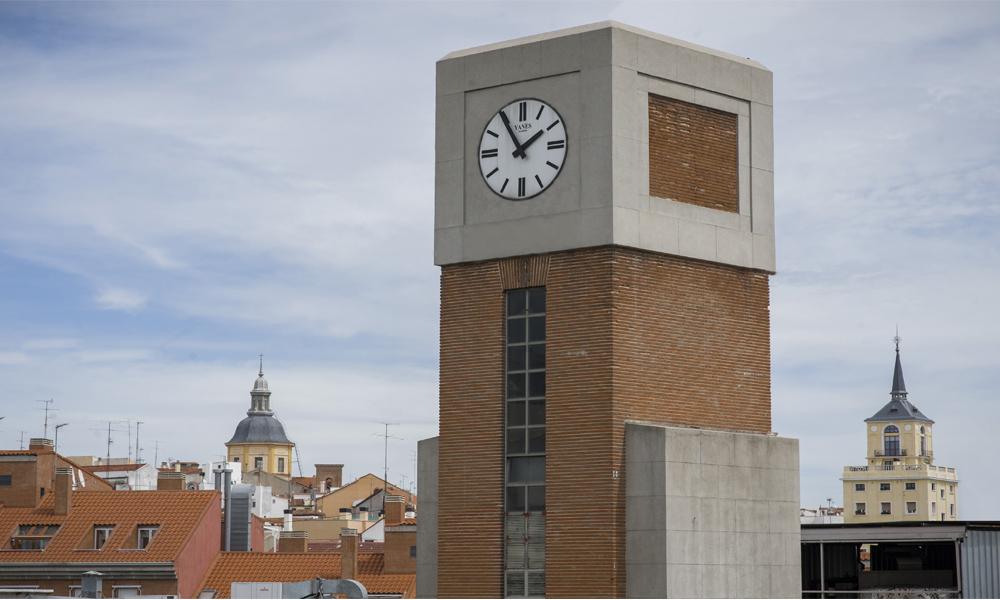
(899, 467)
(897, 452)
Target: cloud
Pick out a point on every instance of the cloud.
(14, 358)
(266, 175)
(120, 299)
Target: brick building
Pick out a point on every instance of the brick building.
(143, 542)
(605, 331)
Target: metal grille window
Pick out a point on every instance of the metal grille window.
(524, 526)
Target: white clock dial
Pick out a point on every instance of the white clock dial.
(523, 149)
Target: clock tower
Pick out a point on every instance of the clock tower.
(604, 224)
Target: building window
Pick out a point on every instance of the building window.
(859, 487)
(942, 493)
(258, 462)
(413, 551)
(884, 487)
(524, 371)
(951, 509)
(911, 485)
(235, 459)
(911, 508)
(933, 509)
(145, 535)
(281, 464)
(891, 441)
(887, 508)
(32, 537)
(101, 535)
(5, 480)
(933, 486)
(126, 591)
(859, 508)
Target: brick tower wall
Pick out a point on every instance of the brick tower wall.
(631, 335)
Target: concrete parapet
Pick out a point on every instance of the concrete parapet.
(427, 518)
(710, 514)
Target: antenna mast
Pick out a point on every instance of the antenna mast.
(385, 457)
(45, 429)
(138, 450)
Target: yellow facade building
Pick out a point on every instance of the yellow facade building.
(260, 443)
(899, 481)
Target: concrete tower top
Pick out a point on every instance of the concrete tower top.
(668, 148)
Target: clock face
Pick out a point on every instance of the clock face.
(523, 149)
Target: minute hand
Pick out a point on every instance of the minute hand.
(510, 130)
(524, 146)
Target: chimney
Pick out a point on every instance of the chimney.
(40, 445)
(394, 509)
(170, 480)
(362, 514)
(91, 586)
(287, 525)
(64, 490)
(348, 553)
(293, 541)
(346, 514)
(329, 476)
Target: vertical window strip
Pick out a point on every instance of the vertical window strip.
(524, 425)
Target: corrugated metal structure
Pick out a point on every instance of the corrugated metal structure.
(940, 559)
(981, 563)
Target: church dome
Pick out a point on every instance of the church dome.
(260, 425)
(257, 428)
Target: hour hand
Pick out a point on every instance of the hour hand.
(524, 146)
(513, 136)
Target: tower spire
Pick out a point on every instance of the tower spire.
(261, 372)
(260, 395)
(898, 385)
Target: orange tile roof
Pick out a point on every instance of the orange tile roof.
(177, 513)
(289, 567)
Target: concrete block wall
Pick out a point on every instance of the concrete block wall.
(710, 514)
(427, 518)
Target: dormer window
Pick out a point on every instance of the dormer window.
(32, 537)
(101, 535)
(145, 534)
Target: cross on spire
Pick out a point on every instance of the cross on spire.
(897, 339)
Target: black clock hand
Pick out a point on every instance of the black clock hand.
(510, 130)
(530, 141)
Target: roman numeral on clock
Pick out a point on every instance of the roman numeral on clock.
(504, 186)
(495, 169)
(523, 111)
(488, 153)
(557, 144)
(539, 180)
(540, 109)
(520, 186)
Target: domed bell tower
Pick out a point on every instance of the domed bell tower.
(259, 443)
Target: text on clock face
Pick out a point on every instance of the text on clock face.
(522, 149)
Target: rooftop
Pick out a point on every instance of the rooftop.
(177, 513)
(230, 567)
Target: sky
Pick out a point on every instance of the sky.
(184, 186)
